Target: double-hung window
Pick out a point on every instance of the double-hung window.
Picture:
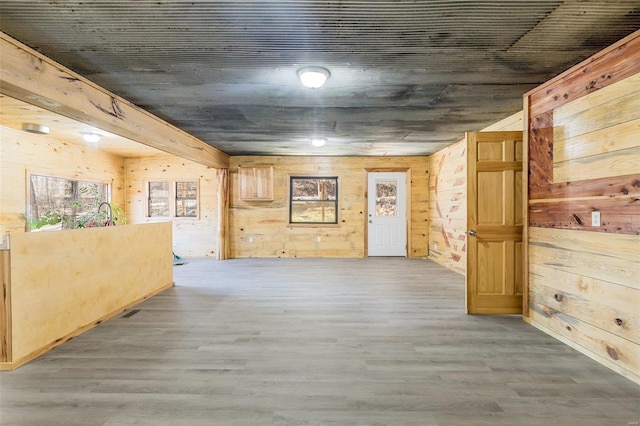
(313, 200)
(172, 199)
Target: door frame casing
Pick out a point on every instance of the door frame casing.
(365, 206)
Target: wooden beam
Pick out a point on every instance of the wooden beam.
(31, 77)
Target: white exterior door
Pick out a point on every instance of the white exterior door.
(387, 214)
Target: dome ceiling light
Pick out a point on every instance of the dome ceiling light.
(38, 129)
(313, 77)
(91, 137)
(318, 142)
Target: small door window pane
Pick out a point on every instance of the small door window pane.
(386, 198)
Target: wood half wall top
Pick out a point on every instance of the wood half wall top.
(31, 77)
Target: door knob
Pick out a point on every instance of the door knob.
(370, 221)
(473, 232)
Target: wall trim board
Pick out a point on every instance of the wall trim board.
(525, 207)
(12, 365)
(36, 79)
(5, 306)
(584, 351)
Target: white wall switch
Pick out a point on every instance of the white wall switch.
(250, 239)
(595, 218)
(318, 239)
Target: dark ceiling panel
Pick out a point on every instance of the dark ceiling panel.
(407, 77)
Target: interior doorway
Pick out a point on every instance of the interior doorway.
(387, 214)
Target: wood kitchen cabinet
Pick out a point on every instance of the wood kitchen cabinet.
(256, 183)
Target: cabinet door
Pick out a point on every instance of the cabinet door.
(256, 183)
(264, 183)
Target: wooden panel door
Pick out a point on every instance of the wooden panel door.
(494, 223)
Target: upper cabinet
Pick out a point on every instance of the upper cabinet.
(256, 183)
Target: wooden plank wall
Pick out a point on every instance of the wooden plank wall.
(448, 207)
(22, 153)
(513, 122)
(584, 156)
(267, 222)
(192, 237)
(80, 278)
(448, 199)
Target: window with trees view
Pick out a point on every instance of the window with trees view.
(186, 199)
(183, 193)
(60, 203)
(158, 199)
(313, 200)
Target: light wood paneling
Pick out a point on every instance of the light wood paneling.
(584, 156)
(448, 207)
(574, 295)
(609, 257)
(31, 77)
(513, 122)
(448, 196)
(14, 113)
(615, 352)
(22, 153)
(263, 229)
(192, 237)
(596, 136)
(64, 282)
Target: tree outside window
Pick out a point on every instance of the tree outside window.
(186, 199)
(158, 201)
(313, 200)
(176, 199)
(60, 203)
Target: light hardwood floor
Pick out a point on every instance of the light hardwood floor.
(314, 342)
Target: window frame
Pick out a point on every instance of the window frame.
(148, 198)
(335, 202)
(108, 191)
(172, 199)
(177, 198)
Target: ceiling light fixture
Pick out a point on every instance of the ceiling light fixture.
(318, 142)
(91, 137)
(38, 129)
(313, 77)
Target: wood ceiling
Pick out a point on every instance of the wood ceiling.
(407, 77)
